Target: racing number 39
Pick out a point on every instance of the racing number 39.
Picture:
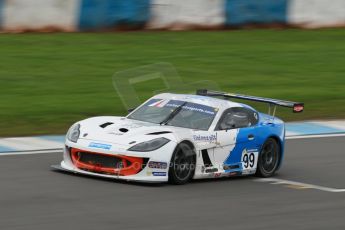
(248, 160)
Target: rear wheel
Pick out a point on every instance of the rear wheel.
(182, 164)
(269, 158)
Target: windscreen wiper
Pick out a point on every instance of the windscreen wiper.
(172, 114)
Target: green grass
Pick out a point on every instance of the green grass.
(48, 81)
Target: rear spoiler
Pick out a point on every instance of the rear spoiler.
(297, 107)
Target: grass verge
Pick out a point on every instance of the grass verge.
(49, 81)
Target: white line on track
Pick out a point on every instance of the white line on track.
(315, 136)
(299, 185)
(42, 151)
(29, 143)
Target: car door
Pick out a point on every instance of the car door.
(237, 147)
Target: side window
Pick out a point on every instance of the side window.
(237, 117)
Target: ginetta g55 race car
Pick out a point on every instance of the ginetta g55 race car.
(177, 137)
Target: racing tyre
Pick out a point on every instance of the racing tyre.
(269, 158)
(182, 164)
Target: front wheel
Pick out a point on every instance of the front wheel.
(269, 158)
(182, 164)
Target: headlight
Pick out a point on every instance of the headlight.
(73, 133)
(148, 146)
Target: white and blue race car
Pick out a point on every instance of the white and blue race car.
(179, 137)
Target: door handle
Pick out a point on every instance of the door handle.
(251, 137)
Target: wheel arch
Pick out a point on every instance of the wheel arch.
(189, 143)
(281, 146)
(192, 147)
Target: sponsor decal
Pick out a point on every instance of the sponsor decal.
(152, 101)
(159, 173)
(158, 165)
(216, 175)
(99, 146)
(208, 110)
(212, 138)
(159, 103)
(237, 173)
(204, 109)
(114, 133)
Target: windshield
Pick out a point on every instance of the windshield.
(191, 115)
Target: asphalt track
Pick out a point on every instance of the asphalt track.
(32, 196)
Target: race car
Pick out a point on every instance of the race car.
(178, 137)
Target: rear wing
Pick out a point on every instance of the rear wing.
(297, 107)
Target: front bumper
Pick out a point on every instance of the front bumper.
(124, 165)
(145, 179)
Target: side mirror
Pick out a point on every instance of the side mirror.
(227, 126)
(130, 110)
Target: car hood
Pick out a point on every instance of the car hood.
(127, 132)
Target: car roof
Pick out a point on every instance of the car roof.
(204, 100)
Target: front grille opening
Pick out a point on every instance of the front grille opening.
(106, 163)
(100, 160)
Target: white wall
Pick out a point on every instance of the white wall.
(180, 14)
(21, 15)
(316, 13)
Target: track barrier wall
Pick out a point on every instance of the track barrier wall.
(39, 15)
(1, 10)
(242, 12)
(86, 15)
(107, 14)
(316, 13)
(184, 14)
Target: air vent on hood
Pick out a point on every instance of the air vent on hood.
(106, 124)
(159, 133)
(124, 130)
